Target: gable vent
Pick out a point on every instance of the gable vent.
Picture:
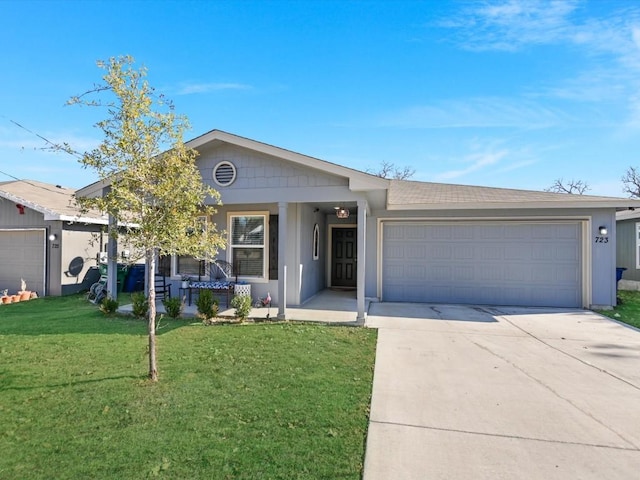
(224, 173)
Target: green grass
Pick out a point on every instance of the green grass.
(270, 401)
(628, 308)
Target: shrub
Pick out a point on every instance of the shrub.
(207, 304)
(173, 306)
(242, 304)
(140, 304)
(109, 305)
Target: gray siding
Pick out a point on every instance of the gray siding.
(626, 249)
(261, 178)
(10, 216)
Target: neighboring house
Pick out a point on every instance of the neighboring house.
(297, 225)
(628, 248)
(45, 240)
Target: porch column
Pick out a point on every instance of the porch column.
(112, 260)
(282, 260)
(362, 235)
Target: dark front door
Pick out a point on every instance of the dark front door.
(343, 257)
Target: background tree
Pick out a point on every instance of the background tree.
(631, 182)
(571, 186)
(155, 185)
(390, 170)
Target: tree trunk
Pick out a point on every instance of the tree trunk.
(151, 268)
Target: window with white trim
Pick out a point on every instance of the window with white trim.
(638, 245)
(248, 243)
(186, 265)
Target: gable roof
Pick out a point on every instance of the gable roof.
(358, 181)
(53, 201)
(413, 195)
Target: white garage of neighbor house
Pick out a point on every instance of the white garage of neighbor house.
(317, 225)
(45, 241)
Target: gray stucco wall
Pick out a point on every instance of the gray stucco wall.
(78, 267)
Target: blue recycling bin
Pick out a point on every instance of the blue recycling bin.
(619, 272)
(135, 279)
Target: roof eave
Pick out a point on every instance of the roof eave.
(614, 203)
(79, 219)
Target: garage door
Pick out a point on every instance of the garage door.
(22, 256)
(526, 264)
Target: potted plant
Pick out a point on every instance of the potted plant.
(5, 297)
(185, 281)
(24, 293)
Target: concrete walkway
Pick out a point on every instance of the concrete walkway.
(502, 393)
(328, 306)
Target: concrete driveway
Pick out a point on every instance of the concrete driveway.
(499, 392)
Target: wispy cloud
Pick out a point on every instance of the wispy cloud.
(473, 163)
(194, 88)
(609, 44)
(487, 112)
(511, 24)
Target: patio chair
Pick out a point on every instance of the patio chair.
(163, 289)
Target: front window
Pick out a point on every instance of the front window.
(247, 243)
(186, 265)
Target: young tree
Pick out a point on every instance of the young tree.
(390, 170)
(631, 182)
(156, 190)
(572, 187)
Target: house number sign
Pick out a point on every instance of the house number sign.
(602, 240)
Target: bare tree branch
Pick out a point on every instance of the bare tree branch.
(577, 187)
(390, 170)
(631, 182)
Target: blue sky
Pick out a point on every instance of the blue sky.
(509, 94)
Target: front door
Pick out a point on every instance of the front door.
(343, 257)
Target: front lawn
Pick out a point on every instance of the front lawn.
(628, 308)
(287, 401)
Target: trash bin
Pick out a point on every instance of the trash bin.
(135, 279)
(120, 276)
(619, 272)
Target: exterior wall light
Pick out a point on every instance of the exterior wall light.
(342, 212)
(602, 229)
(53, 237)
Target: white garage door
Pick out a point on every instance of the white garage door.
(527, 264)
(22, 256)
